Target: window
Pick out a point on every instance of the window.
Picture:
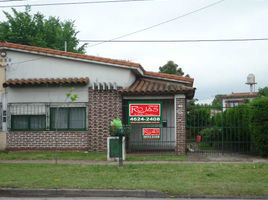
(28, 122)
(68, 118)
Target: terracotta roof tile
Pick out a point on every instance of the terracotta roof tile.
(241, 95)
(45, 81)
(52, 52)
(169, 76)
(68, 54)
(157, 87)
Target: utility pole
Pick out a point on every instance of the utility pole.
(3, 110)
(65, 46)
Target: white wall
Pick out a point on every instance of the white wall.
(44, 94)
(28, 65)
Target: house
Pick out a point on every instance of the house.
(37, 114)
(235, 99)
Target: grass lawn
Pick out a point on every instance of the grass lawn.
(174, 179)
(50, 155)
(97, 156)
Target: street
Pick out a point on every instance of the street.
(98, 198)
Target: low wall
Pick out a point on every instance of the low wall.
(47, 140)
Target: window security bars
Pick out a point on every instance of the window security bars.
(47, 116)
(73, 118)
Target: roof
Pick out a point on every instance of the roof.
(54, 52)
(116, 62)
(241, 95)
(45, 81)
(169, 77)
(155, 87)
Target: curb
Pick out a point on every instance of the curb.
(11, 192)
(7, 192)
(86, 162)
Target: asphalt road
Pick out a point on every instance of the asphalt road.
(97, 198)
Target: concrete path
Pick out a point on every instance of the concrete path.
(209, 159)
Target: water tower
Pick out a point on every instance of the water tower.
(251, 82)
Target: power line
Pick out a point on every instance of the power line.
(178, 41)
(73, 3)
(161, 23)
(10, 0)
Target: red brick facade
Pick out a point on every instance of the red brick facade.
(103, 107)
(180, 110)
(47, 140)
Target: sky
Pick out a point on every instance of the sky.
(217, 67)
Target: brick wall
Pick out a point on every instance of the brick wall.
(47, 140)
(103, 107)
(180, 125)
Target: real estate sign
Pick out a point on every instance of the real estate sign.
(151, 133)
(139, 112)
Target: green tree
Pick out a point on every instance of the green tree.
(217, 101)
(171, 68)
(263, 91)
(36, 30)
(259, 124)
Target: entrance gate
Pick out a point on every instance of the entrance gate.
(218, 130)
(152, 137)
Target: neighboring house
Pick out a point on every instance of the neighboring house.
(235, 99)
(37, 115)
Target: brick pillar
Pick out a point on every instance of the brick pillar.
(180, 116)
(104, 105)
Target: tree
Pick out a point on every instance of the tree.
(217, 101)
(259, 124)
(263, 91)
(171, 68)
(36, 30)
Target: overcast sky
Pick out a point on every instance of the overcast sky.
(217, 67)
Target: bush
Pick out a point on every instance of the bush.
(211, 134)
(259, 124)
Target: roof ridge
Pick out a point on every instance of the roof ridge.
(169, 76)
(54, 52)
(68, 54)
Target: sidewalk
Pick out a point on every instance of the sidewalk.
(191, 159)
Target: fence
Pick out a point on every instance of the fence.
(218, 130)
(138, 141)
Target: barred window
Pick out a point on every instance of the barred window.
(28, 122)
(68, 118)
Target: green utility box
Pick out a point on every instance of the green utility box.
(113, 148)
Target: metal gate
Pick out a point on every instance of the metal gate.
(218, 130)
(138, 142)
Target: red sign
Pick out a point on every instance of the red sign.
(152, 110)
(151, 133)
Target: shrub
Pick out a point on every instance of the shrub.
(259, 124)
(211, 134)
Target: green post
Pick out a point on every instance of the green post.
(120, 150)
